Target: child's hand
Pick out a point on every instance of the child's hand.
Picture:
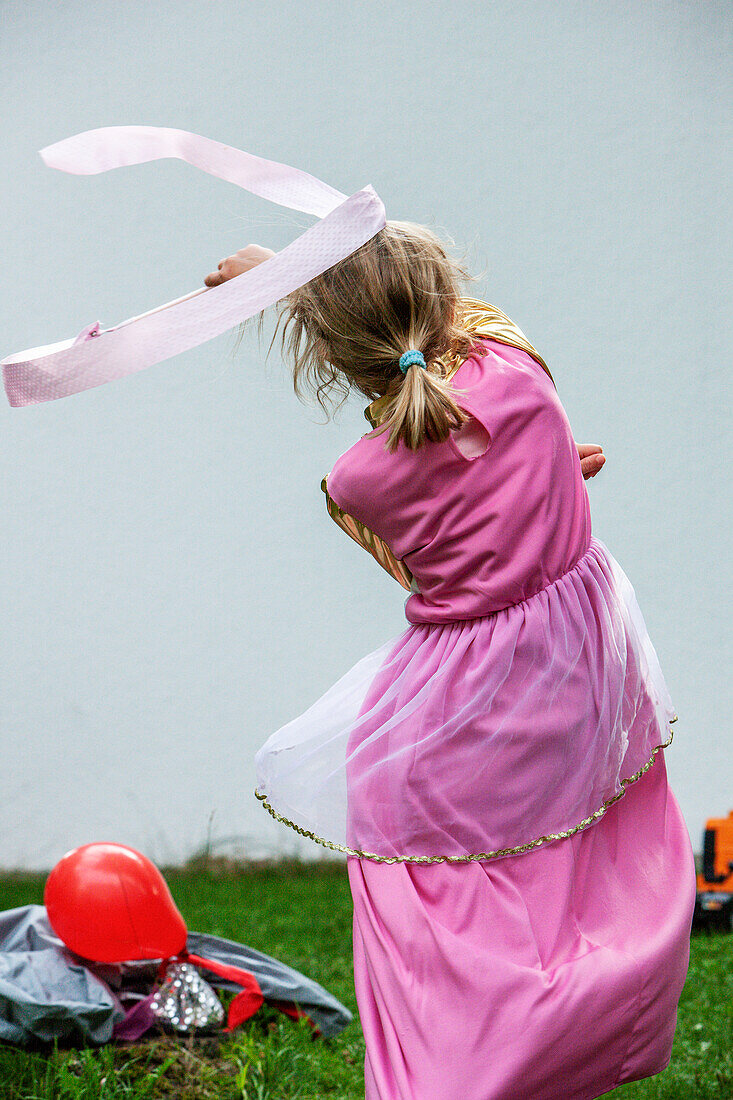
(241, 261)
(591, 458)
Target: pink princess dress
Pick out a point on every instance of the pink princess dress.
(522, 876)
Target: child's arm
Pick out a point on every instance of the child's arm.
(229, 268)
(370, 541)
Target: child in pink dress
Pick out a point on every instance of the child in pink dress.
(522, 877)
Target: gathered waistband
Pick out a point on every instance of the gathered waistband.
(592, 548)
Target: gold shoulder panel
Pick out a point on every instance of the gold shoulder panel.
(367, 539)
(487, 320)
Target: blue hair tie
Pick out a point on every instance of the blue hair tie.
(409, 357)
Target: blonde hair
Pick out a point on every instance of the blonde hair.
(347, 328)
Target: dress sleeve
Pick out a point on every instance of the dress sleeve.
(369, 540)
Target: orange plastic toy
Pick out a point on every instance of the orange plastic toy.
(714, 901)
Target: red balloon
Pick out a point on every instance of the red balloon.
(109, 903)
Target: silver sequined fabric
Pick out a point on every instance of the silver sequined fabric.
(185, 1001)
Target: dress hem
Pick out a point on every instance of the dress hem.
(481, 856)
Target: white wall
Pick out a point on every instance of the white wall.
(172, 587)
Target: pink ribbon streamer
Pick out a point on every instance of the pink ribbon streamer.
(99, 355)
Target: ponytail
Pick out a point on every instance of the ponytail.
(421, 407)
(398, 298)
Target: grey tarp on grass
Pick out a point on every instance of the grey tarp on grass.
(47, 992)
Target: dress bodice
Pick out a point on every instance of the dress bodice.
(479, 533)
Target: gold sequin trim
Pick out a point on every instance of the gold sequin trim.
(483, 855)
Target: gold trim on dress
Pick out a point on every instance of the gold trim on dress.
(483, 856)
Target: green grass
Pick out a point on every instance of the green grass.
(301, 914)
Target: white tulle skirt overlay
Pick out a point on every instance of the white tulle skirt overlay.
(481, 738)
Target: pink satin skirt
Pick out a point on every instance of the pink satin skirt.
(551, 975)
